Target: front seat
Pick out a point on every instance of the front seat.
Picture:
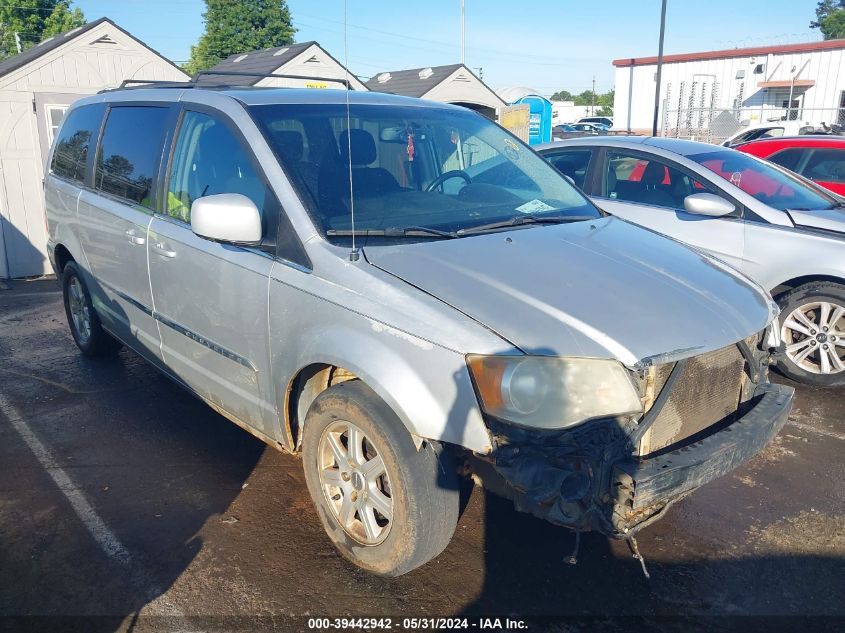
(366, 181)
(652, 191)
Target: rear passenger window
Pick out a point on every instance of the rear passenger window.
(826, 165)
(572, 163)
(74, 142)
(130, 152)
(209, 159)
(788, 158)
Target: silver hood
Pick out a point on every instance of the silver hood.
(603, 288)
(826, 219)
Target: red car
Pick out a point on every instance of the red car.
(818, 158)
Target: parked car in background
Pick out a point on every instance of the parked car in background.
(817, 158)
(770, 129)
(211, 230)
(589, 128)
(765, 221)
(604, 120)
(564, 130)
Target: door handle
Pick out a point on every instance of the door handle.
(134, 239)
(163, 250)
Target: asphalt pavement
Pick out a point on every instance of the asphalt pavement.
(126, 504)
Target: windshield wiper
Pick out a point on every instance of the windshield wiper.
(393, 231)
(520, 220)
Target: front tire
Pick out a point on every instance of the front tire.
(813, 331)
(386, 506)
(84, 322)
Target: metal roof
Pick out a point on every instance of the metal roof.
(756, 51)
(263, 61)
(31, 54)
(414, 82)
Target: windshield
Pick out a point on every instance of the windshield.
(412, 167)
(767, 184)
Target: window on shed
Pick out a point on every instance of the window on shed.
(55, 114)
(130, 152)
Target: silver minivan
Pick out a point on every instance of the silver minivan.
(402, 291)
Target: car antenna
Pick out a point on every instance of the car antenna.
(353, 254)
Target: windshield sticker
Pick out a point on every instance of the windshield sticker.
(736, 178)
(534, 206)
(511, 150)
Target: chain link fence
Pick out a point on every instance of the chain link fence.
(715, 125)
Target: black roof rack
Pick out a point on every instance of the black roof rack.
(193, 82)
(232, 73)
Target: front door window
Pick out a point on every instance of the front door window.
(208, 160)
(632, 178)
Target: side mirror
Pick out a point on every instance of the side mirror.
(226, 217)
(708, 204)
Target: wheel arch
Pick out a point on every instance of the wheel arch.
(62, 256)
(791, 284)
(428, 388)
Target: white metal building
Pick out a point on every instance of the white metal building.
(568, 112)
(36, 87)
(720, 90)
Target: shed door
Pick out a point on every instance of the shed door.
(23, 235)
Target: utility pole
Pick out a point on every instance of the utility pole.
(593, 108)
(18, 42)
(463, 38)
(659, 68)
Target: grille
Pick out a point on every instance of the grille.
(707, 391)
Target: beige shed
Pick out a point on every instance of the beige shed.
(36, 87)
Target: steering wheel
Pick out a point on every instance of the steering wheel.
(448, 175)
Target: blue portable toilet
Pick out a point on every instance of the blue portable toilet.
(539, 112)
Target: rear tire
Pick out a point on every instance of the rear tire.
(84, 322)
(812, 325)
(416, 498)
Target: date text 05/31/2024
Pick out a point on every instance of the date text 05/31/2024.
(416, 624)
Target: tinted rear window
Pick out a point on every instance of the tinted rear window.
(130, 152)
(74, 142)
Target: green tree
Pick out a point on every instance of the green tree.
(585, 98)
(562, 95)
(830, 19)
(239, 26)
(604, 103)
(34, 21)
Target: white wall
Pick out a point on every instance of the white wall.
(462, 86)
(568, 112)
(637, 83)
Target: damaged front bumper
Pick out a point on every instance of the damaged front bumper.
(588, 478)
(645, 487)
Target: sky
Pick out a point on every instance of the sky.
(547, 45)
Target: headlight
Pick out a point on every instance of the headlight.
(552, 393)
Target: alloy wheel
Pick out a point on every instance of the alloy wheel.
(814, 334)
(80, 311)
(355, 482)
